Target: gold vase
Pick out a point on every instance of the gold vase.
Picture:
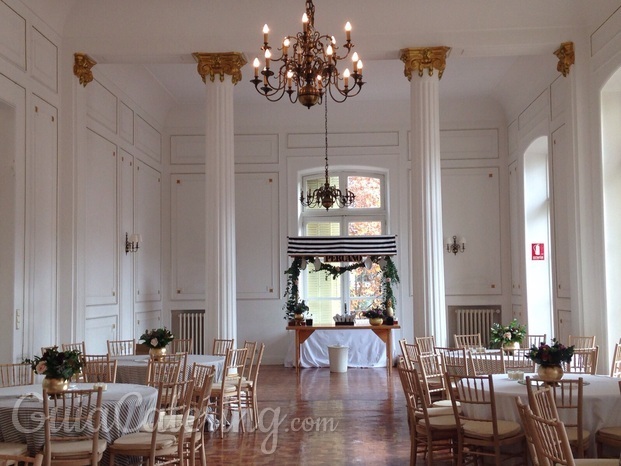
(550, 374)
(510, 347)
(157, 353)
(376, 321)
(55, 385)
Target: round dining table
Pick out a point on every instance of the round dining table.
(125, 407)
(133, 368)
(601, 404)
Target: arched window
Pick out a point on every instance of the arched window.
(368, 216)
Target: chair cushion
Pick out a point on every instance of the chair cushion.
(440, 422)
(227, 389)
(76, 448)
(596, 462)
(443, 403)
(142, 440)
(485, 429)
(437, 411)
(610, 432)
(10, 448)
(572, 435)
(169, 423)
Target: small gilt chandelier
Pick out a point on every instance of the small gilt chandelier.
(307, 67)
(326, 195)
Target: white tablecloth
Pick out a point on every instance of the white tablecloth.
(133, 369)
(365, 348)
(601, 400)
(125, 407)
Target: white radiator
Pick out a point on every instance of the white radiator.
(191, 324)
(470, 321)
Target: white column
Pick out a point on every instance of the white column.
(220, 257)
(427, 246)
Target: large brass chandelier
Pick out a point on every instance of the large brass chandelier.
(326, 196)
(307, 67)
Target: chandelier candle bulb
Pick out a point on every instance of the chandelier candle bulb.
(285, 46)
(266, 31)
(348, 31)
(346, 77)
(268, 55)
(256, 63)
(305, 22)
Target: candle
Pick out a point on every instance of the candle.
(354, 59)
(346, 77)
(268, 55)
(289, 78)
(285, 46)
(348, 31)
(305, 22)
(266, 30)
(256, 63)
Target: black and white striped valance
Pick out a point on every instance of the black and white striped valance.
(347, 248)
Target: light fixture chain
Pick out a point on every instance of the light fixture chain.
(326, 137)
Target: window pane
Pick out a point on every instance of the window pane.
(365, 287)
(364, 228)
(323, 310)
(314, 183)
(323, 229)
(367, 190)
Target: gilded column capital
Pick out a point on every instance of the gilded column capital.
(424, 58)
(220, 63)
(82, 65)
(566, 57)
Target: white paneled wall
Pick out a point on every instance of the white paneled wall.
(471, 208)
(187, 237)
(101, 227)
(258, 245)
(41, 195)
(147, 218)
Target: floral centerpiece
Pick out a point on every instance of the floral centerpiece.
(157, 337)
(546, 355)
(550, 359)
(295, 308)
(58, 367)
(376, 315)
(507, 335)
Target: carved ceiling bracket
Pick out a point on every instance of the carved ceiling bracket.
(82, 68)
(424, 58)
(566, 58)
(210, 64)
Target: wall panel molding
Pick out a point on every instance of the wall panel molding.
(471, 199)
(44, 60)
(187, 213)
(13, 37)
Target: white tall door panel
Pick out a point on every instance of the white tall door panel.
(561, 199)
(101, 222)
(12, 186)
(42, 171)
(147, 222)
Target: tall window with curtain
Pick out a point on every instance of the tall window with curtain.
(359, 289)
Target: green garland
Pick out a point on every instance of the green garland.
(390, 276)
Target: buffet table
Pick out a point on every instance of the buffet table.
(125, 407)
(365, 345)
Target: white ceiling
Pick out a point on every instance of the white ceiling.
(491, 40)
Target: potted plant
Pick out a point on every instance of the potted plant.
(296, 311)
(58, 367)
(507, 337)
(157, 340)
(375, 315)
(550, 358)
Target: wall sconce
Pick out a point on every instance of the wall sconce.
(132, 242)
(454, 246)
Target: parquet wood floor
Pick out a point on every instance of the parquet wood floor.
(321, 418)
